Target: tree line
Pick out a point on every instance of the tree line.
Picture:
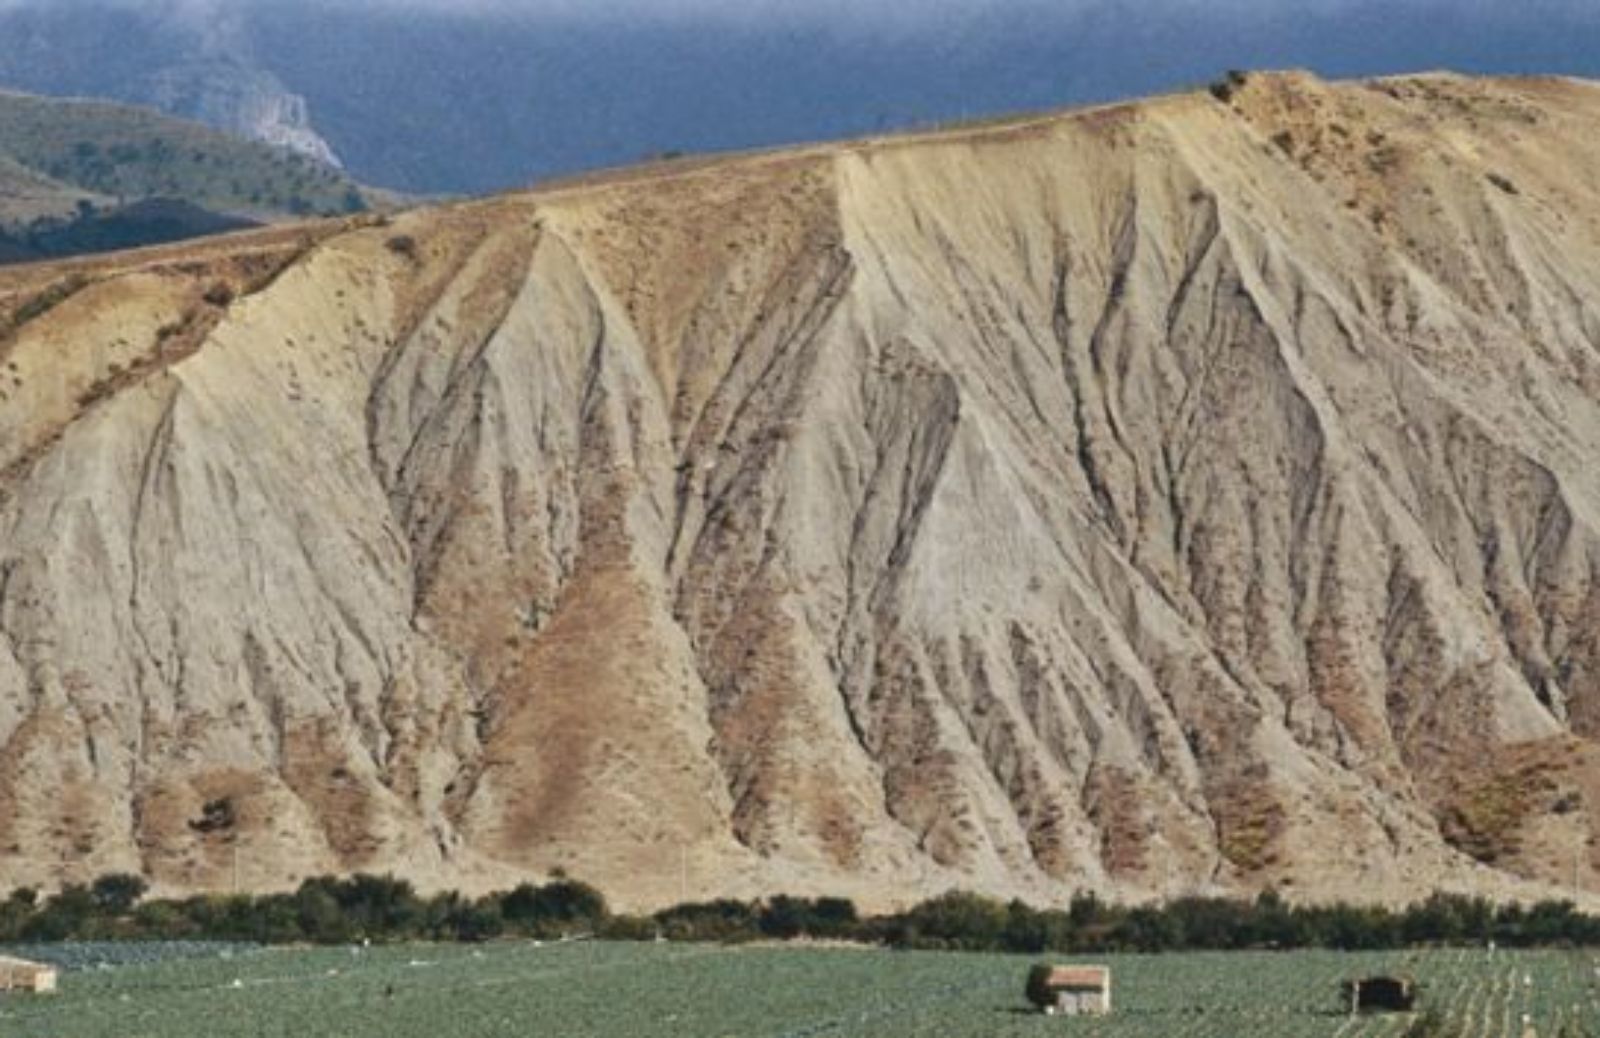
(335, 910)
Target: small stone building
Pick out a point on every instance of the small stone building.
(1071, 990)
(1381, 994)
(22, 975)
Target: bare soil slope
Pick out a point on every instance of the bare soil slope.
(1194, 494)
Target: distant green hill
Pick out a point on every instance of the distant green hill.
(84, 176)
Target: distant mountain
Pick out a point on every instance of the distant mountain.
(153, 221)
(194, 60)
(450, 99)
(85, 176)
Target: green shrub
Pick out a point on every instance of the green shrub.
(118, 892)
(1223, 89)
(554, 908)
(723, 920)
(785, 917)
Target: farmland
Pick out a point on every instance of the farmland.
(587, 988)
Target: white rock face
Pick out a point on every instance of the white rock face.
(239, 99)
(282, 118)
(1179, 496)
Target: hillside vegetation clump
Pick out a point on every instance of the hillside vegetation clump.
(122, 153)
(81, 176)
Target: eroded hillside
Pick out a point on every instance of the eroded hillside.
(1184, 495)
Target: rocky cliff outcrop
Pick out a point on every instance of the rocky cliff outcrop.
(1194, 494)
(241, 100)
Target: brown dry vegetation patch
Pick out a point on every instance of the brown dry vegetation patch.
(1117, 807)
(428, 255)
(1491, 799)
(571, 710)
(317, 765)
(1250, 820)
(203, 290)
(38, 738)
(187, 831)
(679, 247)
(1357, 146)
(767, 731)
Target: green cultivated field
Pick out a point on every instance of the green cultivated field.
(708, 990)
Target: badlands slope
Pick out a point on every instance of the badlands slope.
(1195, 494)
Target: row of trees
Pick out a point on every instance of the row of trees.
(325, 910)
(335, 910)
(969, 922)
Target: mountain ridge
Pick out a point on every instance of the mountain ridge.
(1175, 495)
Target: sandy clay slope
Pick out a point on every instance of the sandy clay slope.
(1198, 494)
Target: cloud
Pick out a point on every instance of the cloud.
(903, 13)
(831, 10)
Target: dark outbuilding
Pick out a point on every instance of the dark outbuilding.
(1381, 994)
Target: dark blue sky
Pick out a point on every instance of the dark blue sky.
(473, 95)
(549, 92)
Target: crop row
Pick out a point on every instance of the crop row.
(586, 988)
